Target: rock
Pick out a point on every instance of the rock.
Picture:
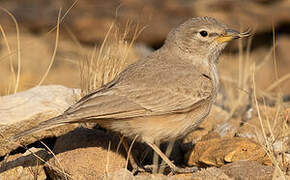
(272, 120)
(228, 128)
(120, 174)
(212, 173)
(146, 176)
(86, 154)
(217, 152)
(287, 115)
(287, 163)
(24, 166)
(26, 109)
(248, 170)
(206, 129)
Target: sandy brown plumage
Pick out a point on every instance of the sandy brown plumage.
(163, 96)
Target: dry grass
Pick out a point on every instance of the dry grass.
(54, 50)
(108, 60)
(15, 77)
(269, 140)
(14, 81)
(244, 97)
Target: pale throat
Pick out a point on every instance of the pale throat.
(208, 65)
(213, 59)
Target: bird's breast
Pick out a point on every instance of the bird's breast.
(215, 79)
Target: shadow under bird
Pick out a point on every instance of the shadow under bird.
(163, 96)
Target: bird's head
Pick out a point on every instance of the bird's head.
(204, 37)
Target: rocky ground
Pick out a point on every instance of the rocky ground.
(224, 147)
(246, 135)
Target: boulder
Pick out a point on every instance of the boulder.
(24, 110)
(86, 154)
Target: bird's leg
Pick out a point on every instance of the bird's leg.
(162, 155)
(167, 153)
(132, 160)
(169, 163)
(155, 160)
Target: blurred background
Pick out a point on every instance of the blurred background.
(35, 47)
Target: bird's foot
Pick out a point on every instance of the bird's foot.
(154, 168)
(146, 168)
(150, 168)
(137, 170)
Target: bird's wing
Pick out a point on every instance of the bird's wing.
(164, 95)
(132, 101)
(138, 94)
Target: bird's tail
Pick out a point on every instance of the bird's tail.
(48, 124)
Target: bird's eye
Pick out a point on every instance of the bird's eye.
(203, 33)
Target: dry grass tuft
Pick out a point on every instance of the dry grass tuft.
(107, 61)
(14, 76)
(15, 79)
(243, 98)
(279, 120)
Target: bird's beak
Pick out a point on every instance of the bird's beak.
(231, 34)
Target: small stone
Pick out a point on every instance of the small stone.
(271, 122)
(146, 176)
(212, 173)
(228, 128)
(248, 170)
(217, 152)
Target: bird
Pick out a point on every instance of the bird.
(163, 96)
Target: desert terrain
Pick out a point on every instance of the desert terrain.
(52, 53)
